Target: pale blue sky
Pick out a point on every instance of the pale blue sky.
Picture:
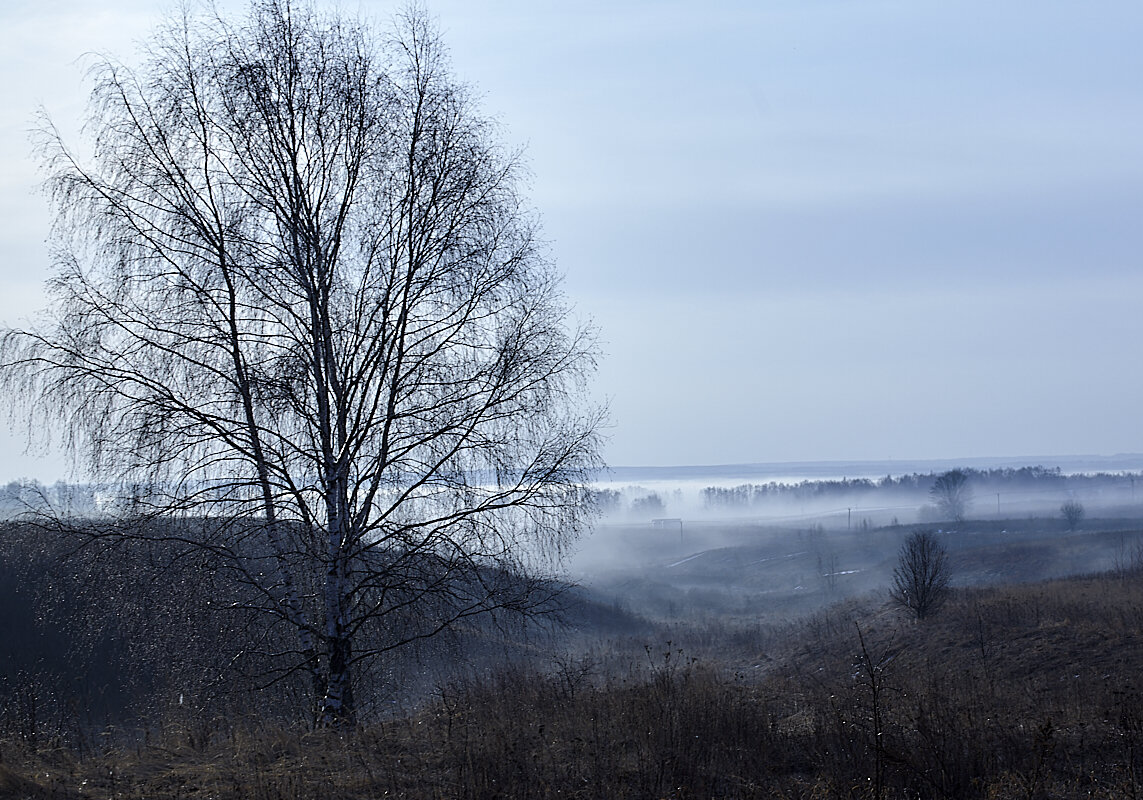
(807, 230)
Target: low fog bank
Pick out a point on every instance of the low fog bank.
(777, 540)
(753, 572)
(862, 497)
(691, 548)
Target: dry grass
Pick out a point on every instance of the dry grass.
(1030, 691)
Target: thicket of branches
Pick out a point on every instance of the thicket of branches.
(117, 634)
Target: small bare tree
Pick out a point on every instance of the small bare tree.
(1073, 512)
(301, 314)
(951, 494)
(921, 577)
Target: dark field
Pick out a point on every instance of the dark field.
(752, 571)
(725, 661)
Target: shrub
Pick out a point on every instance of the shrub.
(921, 577)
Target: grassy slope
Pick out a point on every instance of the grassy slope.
(1028, 690)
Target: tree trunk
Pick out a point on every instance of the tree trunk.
(337, 705)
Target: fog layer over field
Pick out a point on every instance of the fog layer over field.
(779, 540)
(844, 493)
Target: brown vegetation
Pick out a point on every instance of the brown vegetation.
(1025, 691)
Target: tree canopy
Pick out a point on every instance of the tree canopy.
(299, 298)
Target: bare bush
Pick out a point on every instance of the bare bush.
(1073, 513)
(921, 577)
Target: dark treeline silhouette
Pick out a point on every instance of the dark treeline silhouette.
(1026, 479)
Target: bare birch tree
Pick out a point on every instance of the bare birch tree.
(297, 294)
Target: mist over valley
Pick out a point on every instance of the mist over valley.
(325, 391)
(770, 540)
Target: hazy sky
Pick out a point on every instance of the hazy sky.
(807, 230)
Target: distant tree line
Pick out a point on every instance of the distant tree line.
(632, 500)
(18, 497)
(999, 479)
